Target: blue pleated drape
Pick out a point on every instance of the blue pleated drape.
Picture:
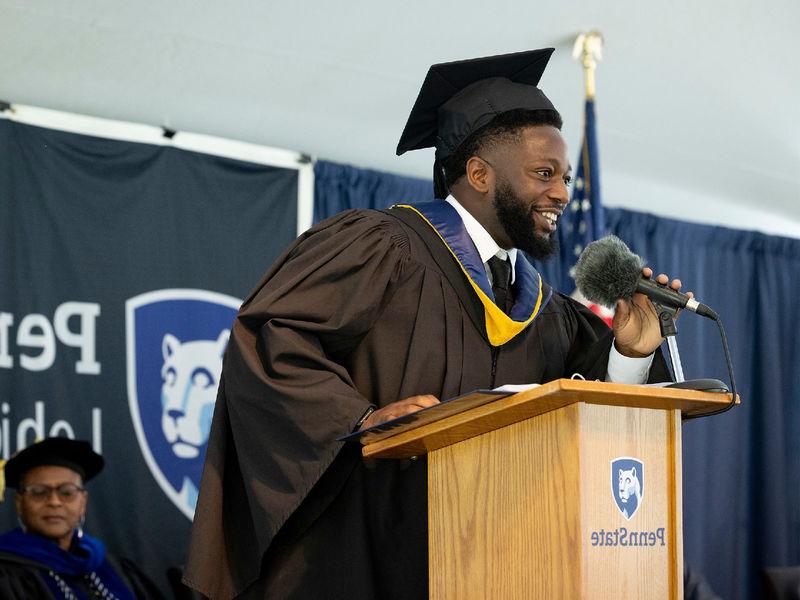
(741, 476)
(339, 187)
(741, 471)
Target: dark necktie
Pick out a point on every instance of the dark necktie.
(501, 280)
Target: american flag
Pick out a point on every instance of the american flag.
(582, 221)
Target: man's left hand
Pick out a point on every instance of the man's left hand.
(637, 332)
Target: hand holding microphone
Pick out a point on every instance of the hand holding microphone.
(608, 272)
(637, 324)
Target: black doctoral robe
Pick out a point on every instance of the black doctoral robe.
(24, 579)
(366, 307)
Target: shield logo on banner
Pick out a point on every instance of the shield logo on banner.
(175, 342)
(627, 484)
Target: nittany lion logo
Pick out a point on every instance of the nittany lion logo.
(176, 340)
(190, 376)
(627, 484)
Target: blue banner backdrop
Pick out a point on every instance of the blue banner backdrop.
(741, 475)
(122, 267)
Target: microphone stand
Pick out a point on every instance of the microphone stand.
(666, 320)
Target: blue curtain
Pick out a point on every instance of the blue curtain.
(339, 187)
(741, 476)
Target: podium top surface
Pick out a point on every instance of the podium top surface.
(545, 398)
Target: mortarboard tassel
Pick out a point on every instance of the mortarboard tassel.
(439, 184)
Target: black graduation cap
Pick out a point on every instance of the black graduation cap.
(458, 98)
(57, 451)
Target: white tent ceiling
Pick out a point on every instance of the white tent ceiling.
(698, 101)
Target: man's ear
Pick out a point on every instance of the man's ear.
(479, 174)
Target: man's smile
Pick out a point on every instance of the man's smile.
(547, 218)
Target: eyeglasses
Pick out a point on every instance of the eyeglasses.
(66, 492)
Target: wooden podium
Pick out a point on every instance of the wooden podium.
(524, 503)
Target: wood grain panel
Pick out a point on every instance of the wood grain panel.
(675, 496)
(512, 512)
(504, 513)
(630, 570)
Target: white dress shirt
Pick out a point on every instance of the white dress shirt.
(620, 369)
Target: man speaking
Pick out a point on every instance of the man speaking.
(374, 314)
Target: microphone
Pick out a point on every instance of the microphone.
(607, 270)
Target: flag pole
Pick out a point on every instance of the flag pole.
(583, 222)
(589, 48)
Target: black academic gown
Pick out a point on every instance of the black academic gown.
(24, 579)
(367, 307)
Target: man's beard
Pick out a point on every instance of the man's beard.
(516, 218)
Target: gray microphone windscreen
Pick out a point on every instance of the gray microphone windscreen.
(607, 270)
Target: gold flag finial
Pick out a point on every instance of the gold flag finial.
(589, 49)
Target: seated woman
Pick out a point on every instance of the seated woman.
(49, 555)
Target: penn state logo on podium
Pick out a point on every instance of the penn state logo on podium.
(627, 484)
(176, 339)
